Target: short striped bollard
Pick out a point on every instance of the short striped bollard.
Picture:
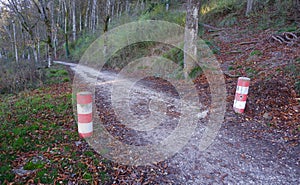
(85, 115)
(241, 94)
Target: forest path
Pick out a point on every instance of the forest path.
(242, 153)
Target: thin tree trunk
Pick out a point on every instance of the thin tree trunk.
(249, 7)
(15, 43)
(87, 14)
(66, 30)
(93, 22)
(74, 19)
(35, 52)
(80, 21)
(54, 31)
(118, 9)
(167, 5)
(112, 10)
(190, 37)
(127, 6)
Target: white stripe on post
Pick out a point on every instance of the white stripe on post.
(85, 114)
(241, 94)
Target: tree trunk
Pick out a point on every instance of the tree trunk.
(74, 19)
(249, 7)
(93, 17)
(87, 14)
(167, 5)
(80, 21)
(127, 6)
(15, 43)
(190, 37)
(67, 30)
(54, 31)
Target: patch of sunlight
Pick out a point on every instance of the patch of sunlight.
(207, 8)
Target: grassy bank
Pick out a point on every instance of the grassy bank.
(39, 140)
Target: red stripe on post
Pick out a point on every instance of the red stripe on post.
(85, 118)
(239, 110)
(84, 98)
(243, 83)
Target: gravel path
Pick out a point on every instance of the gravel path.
(244, 152)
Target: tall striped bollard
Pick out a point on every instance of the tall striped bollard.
(241, 94)
(85, 115)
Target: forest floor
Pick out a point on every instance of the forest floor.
(260, 146)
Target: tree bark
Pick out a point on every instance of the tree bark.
(249, 7)
(93, 16)
(87, 14)
(74, 19)
(167, 5)
(15, 43)
(66, 30)
(190, 37)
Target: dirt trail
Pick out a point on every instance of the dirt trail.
(244, 152)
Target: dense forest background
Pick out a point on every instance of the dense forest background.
(33, 33)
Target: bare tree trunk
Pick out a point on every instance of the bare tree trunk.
(118, 8)
(167, 5)
(93, 22)
(54, 31)
(74, 19)
(249, 7)
(15, 42)
(80, 21)
(127, 6)
(87, 14)
(35, 52)
(66, 30)
(112, 10)
(190, 37)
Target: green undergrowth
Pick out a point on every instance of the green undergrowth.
(56, 74)
(39, 134)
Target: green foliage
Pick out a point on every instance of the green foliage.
(34, 165)
(196, 71)
(158, 12)
(251, 72)
(56, 74)
(256, 52)
(176, 55)
(215, 49)
(290, 28)
(297, 87)
(78, 48)
(219, 8)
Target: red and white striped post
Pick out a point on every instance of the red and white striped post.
(241, 94)
(85, 114)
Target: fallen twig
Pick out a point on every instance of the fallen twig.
(230, 75)
(245, 43)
